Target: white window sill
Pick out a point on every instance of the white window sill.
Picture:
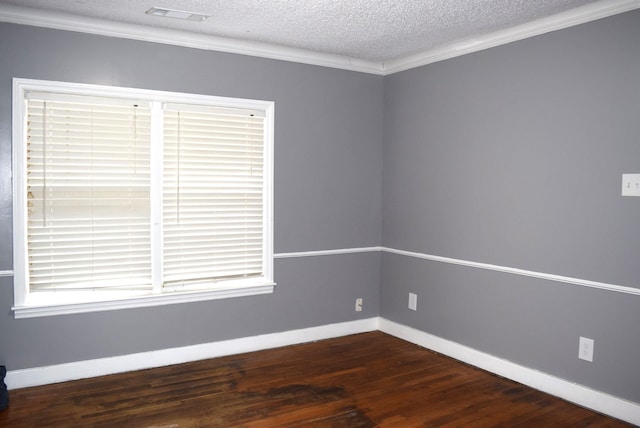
(43, 310)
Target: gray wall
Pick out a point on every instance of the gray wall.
(510, 156)
(328, 166)
(513, 156)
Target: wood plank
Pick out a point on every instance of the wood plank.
(363, 380)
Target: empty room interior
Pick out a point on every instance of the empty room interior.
(476, 195)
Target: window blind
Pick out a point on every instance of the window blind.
(133, 193)
(88, 177)
(213, 161)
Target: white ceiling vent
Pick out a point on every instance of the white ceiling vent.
(178, 14)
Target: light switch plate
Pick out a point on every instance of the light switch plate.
(413, 301)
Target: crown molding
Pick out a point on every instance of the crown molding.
(580, 15)
(64, 21)
(69, 22)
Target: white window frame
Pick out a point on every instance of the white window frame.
(26, 307)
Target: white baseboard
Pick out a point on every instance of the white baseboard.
(581, 395)
(144, 360)
(600, 402)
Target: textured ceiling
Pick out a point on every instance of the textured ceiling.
(370, 30)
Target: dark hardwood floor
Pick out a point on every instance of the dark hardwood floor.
(364, 380)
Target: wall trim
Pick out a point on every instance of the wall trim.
(23, 378)
(601, 402)
(517, 271)
(487, 266)
(326, 252)
(69, 22)
(577, 16)
(460, 262)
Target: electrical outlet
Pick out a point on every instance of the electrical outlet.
(630, 184)
(585, 351)
(413, 301)
(359, 304)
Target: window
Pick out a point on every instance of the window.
(126, 197)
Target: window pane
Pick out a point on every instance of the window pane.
(212, 194)
(87, 193)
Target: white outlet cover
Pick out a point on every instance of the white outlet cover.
(585, 350)
(630, 184)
